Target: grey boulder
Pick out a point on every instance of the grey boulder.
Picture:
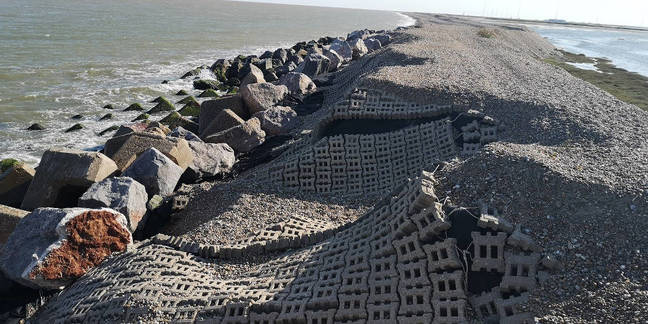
(180, 132)
(358, 47)
(261, 96)
(372, 44)
(335, 58)
(314, 65)
(122, 194)
(242, 138)
(277, 120)
(343, 49)
(155, 171)
(212, 159)
(298, 83)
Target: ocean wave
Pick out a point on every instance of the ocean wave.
(406, 20)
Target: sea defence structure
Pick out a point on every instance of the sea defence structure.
(442, 177)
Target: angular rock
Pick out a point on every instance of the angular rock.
(206, 84)
(281, 55)
(14, 183)
(134, 107)
(383, 38)
(108, 130)
(109, 106)
(155, 171)
(372, 44)
(277, 120)
(265, 55)
(298, 83)
(63, 175)
(180, 132)
(9, 219)
(158, 126)
(52, 247)
(358, 34)
(261, 96)
(106, 117)
(241, 138)
(181, 93)
(358, 47)
(141, 117)
(343, 49)
(124, 149)
(174, 119)
(122, 194)
(254, 76)
(335, 58)
(208, 93)
(74, 128)
(211, 108)
(226, 119)
(288, 67)
(314, 65)
(35, 126)
(212, 159)
(162, 105)
(190, 109)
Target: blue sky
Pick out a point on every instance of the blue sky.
(621, 12)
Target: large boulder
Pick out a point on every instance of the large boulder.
(162, 105)
(372, 44)
(122, 194)
(261, 96)
(226, 119)
(212, 159)
(358, 34)
(14, 183)
(335, 58)
(241, 138)
(358, 47)
(281, 55)
(206, 84)
(64, 175)
(343, 49)
(277, 120)
(9, 218)
(52, 247)
(155, 171)
(314, 65)
(210, 109)
(254, 76)
(288, 67)
(126, 148)
(298, 83)
(174, 119)
(383, 38)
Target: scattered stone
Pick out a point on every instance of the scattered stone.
(298, 83)
(226, 119)
(212, 159)
(9, 218)
(108, 130)
(52, 247)
(194, 72)
(124, 149)
(208, 93)
(343, 49)
(109, 106)
(163, 105)
(155, 171)
(122, 194)
(134, 107)
(180, 132)
(174, 119)
(210, 109)
(219, 68)
(277, 120)
(206, 84)
(35, 126)
(63, 175)
(242, 138)
(74, 128)
(181, 93)
(77, 117)
(261, 96)
(14, 182)
(106, 117)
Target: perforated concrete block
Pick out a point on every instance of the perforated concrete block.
(449, 311)
(485, 306)
(520, 273)
(448, 285)
(409, 248)
(442, 255)
(488, 251)
(413, 274)
(414, 300)
(383, 313)
(352, 306)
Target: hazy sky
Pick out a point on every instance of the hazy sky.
(622, 12)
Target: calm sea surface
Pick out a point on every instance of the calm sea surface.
(626, 49)
(59, 58)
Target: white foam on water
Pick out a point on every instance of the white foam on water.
(406, 20)
(585, 66)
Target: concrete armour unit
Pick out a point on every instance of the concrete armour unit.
(349, 277)
(63, 175)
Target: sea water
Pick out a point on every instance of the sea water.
(60, 58)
